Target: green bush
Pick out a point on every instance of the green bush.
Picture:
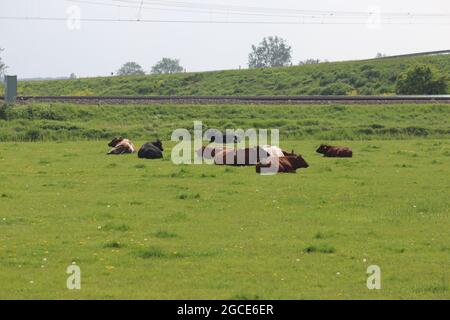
(5, 111)
(337, 88)
(33, 134)
(421, 79)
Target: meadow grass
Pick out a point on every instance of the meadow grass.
(150, 229)
(61, 121)
(364, 77)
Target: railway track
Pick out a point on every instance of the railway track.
(236, 99)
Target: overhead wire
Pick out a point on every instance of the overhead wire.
(284, 16)
(35, 18)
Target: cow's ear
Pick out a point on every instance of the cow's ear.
(292, 151)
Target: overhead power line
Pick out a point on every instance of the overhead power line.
(289, 14)
(35, 18)
(235, 8)
(234, 14)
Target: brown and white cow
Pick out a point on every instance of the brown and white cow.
(335, 152)
(121, 145)
(288, 164)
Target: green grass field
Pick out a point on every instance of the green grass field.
(149, 229)
(154, 230)
(366, 77)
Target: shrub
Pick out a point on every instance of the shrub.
(337, 88)
(421, 79)
(33, 134)
(4, 111)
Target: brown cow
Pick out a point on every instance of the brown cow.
(240, 157)
(287, 164)
(121, 145)
(335, 152)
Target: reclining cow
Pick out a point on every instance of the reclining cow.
(121, 145)
(287, 164)
(151, 150)
(335, 152)
(240, 157)
(273, 151)
(210, 152)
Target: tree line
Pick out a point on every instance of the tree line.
(164, 66)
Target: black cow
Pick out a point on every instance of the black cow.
(151, 150)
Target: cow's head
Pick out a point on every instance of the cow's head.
(299, 162)
(158, 144)
(115, 142)
(323, 149)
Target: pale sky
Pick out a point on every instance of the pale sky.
(41, 48)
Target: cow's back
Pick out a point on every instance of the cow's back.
(340, 152)
(149, 151)
(226, 157)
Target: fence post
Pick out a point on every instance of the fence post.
(10, 89)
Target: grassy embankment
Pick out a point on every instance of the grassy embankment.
(365, 77)
(57, 121)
